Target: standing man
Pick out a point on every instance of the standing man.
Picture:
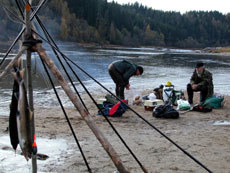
(201, 80)
(120, 71)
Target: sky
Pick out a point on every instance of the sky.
(183, 5)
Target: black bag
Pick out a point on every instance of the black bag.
(165, 111)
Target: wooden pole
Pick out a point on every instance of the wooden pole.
(85, 115)
(13, 61)
(28, 33)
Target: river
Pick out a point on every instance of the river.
(160, 65)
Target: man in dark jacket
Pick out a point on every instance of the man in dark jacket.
(201, 80)
(120, 71)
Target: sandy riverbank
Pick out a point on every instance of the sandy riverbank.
(195, 132)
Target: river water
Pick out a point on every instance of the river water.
(160, 66)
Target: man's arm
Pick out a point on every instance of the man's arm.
(206, 79)
(193, 78)
(130, 72)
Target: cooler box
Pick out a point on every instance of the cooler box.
(151, 104)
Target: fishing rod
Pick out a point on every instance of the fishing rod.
(58, 57)
(66, 116)
(146, 121)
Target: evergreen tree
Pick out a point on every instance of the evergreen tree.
(131, 25)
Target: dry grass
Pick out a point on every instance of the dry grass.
(220, 50)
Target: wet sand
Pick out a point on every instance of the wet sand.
(193, 131)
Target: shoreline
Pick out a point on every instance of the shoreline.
(193, 131)
(201, 51)
(206, 51)
(219, 51)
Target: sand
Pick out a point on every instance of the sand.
(194, 132)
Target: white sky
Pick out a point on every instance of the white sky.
(182, 6)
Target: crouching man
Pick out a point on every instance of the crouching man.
(121, 71)
(201, 80)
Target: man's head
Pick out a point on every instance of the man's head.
(199, 67)
(139, 70)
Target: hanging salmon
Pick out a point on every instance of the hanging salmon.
(13, 131)
(24, 117)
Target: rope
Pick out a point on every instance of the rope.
(43, 76)
(14, 15)
(8, 13)
(49, 38)
(21, 32)
(66, 116)
(20, 10)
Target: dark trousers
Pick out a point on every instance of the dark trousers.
(203, 93)
(118, 80)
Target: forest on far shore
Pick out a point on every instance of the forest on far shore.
(102, 22)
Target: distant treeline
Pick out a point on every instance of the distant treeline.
(101, 22)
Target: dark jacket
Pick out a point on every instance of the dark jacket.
(126, 69)
(204, 80)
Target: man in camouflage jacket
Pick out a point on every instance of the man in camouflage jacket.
(201, 80)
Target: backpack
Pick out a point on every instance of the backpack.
(202, 108)
(165, 111)
(113, 110)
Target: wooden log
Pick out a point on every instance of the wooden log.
(12, 62)
(85, 115)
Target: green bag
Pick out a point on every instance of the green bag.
(214, 102)
(111, 99)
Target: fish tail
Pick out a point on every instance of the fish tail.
(25, 155)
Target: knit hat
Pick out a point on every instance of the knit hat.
(140, 69)
(199, 64)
